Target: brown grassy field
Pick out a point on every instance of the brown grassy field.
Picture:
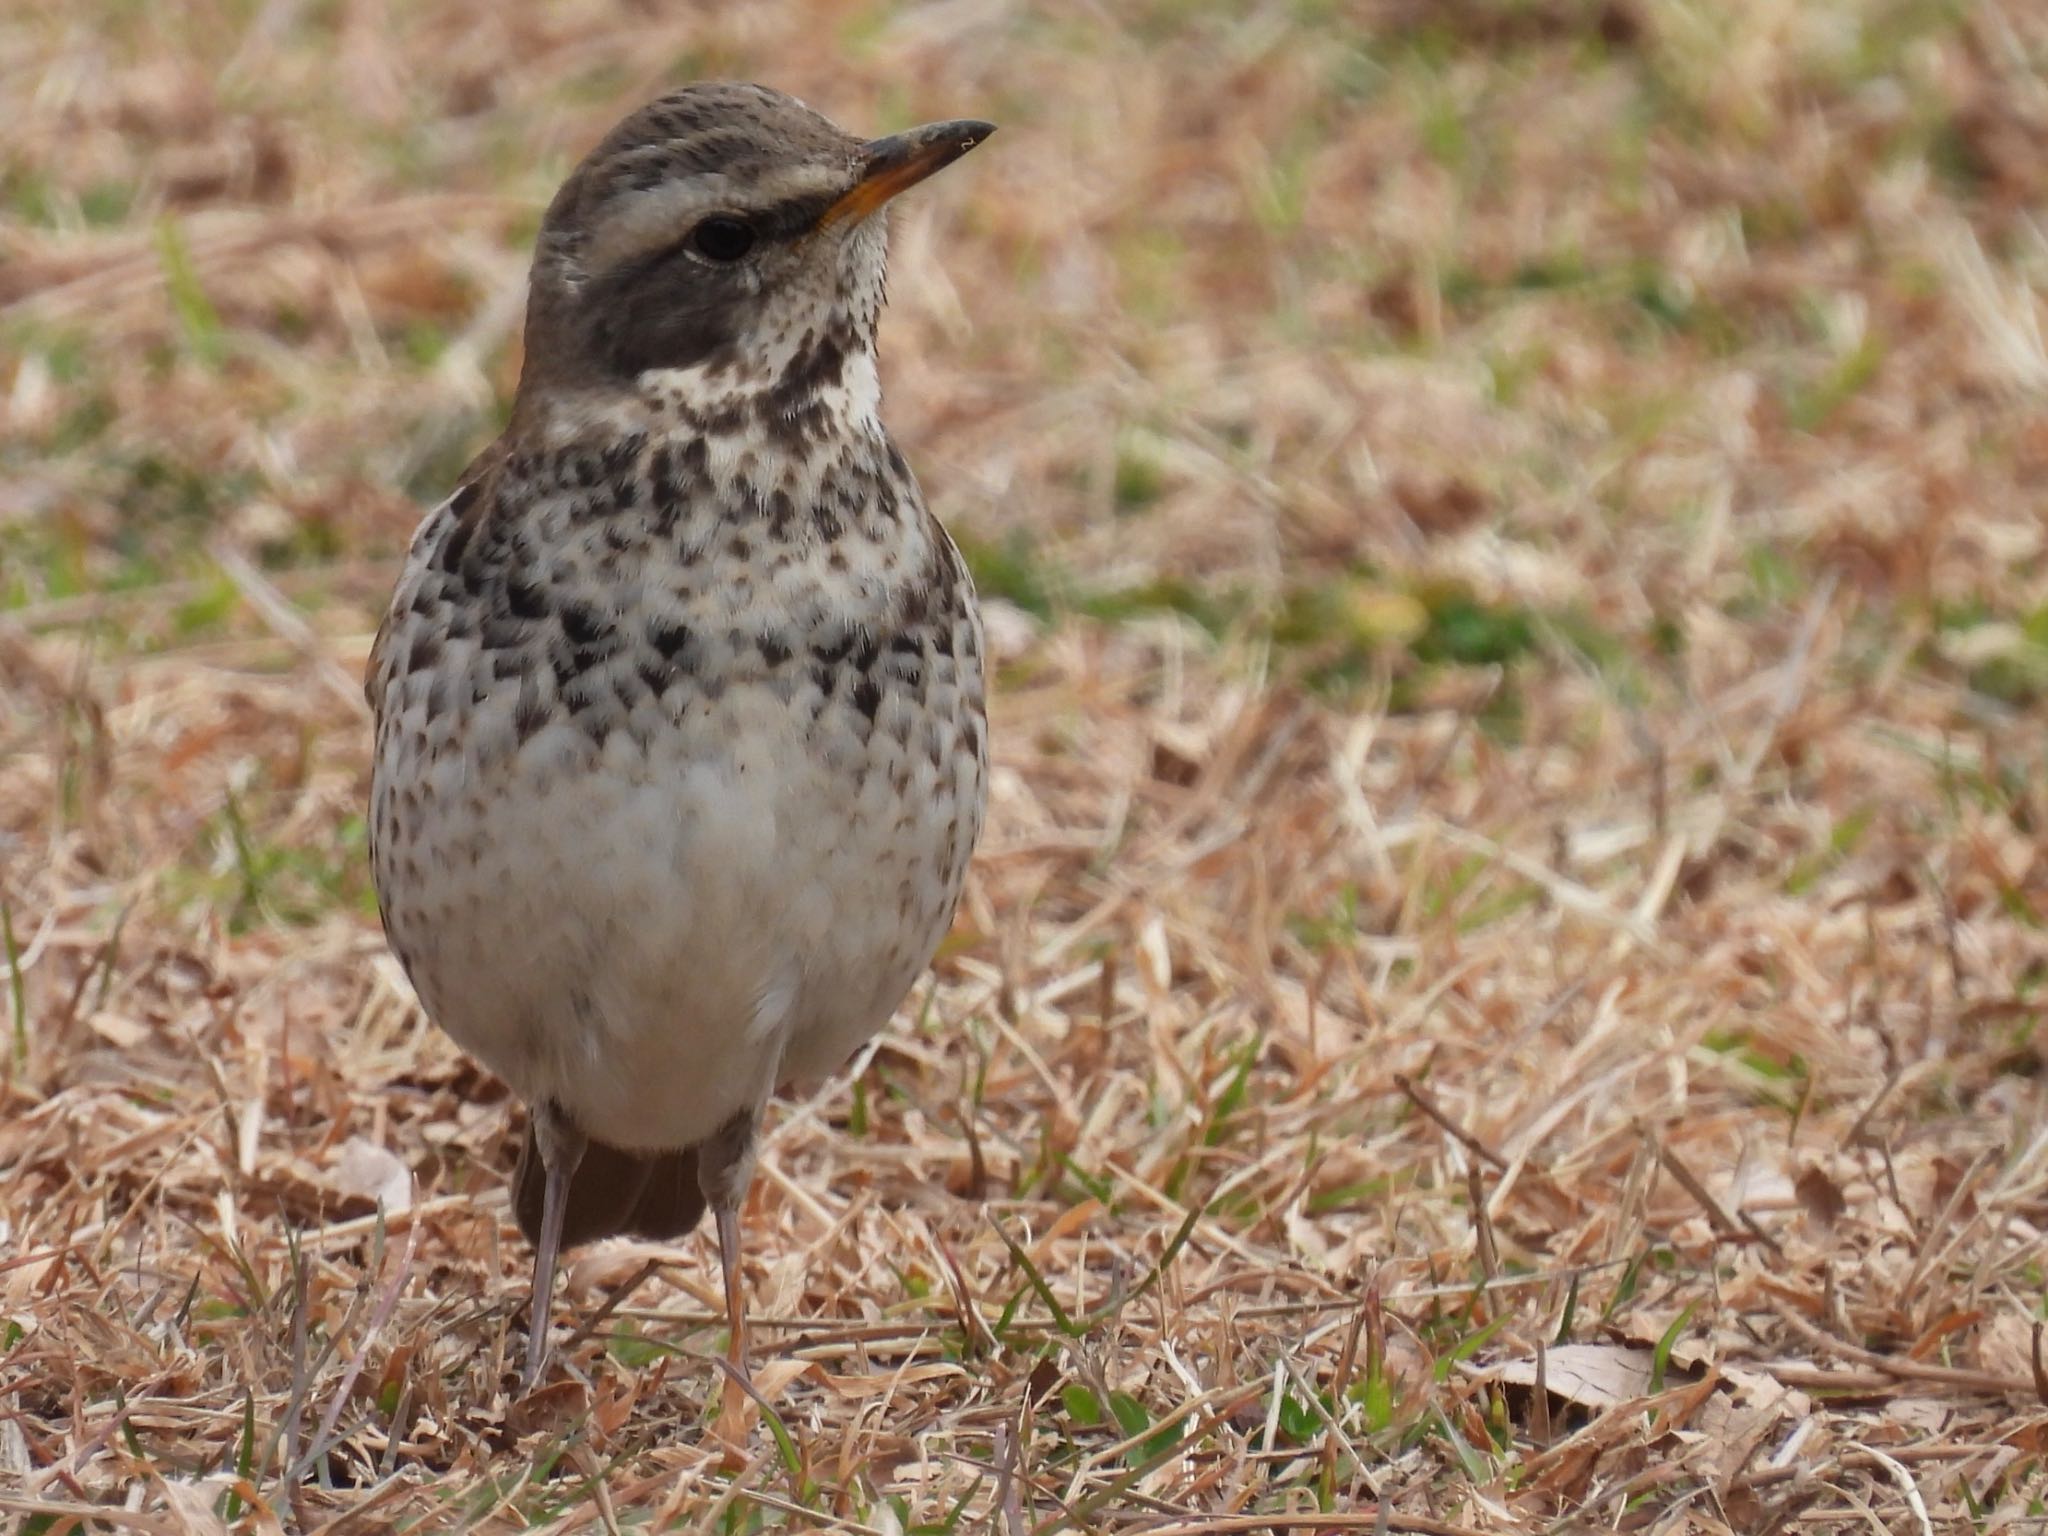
(1502, 991)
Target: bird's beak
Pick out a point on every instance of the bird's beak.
(903, 160)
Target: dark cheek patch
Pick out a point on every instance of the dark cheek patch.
(668, 312)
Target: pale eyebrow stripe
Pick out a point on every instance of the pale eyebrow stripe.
(651, 222)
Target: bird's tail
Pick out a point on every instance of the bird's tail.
(614, 1194)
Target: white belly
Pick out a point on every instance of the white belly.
(655, 932)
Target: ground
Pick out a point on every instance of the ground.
(1502, 989)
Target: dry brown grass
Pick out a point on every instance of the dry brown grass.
(1502, 989)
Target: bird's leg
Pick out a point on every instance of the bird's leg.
(561, 1150)
(725, 1166)
(735, 1287)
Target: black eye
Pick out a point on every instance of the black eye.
(722, 238)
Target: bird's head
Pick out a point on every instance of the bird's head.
(724, 228)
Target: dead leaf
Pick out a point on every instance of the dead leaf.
(547, 1408)
(118, 1030)
(2005, 1346)
(1922, 1415)
(1591, 1375)
(1069, 1221)
(886, 1381)
(773, 1377)
(191, 1507)
(374, 1173)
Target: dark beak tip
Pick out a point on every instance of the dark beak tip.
(940, 143)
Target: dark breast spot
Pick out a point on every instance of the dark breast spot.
(617, 498)
(618, 457)
(669, 639)
(583, 624)
(666, 473)
(799, 427)
(525, 599)
(529, 718)
(815, 367)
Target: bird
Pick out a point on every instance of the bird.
(680, 747)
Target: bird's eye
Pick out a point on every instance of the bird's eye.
(722, 238)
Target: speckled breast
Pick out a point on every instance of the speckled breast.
(677, 773)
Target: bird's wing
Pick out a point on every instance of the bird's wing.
(471, 494)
